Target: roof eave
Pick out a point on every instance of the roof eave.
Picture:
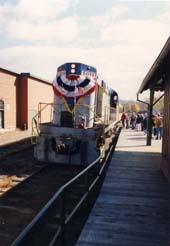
(163, 54)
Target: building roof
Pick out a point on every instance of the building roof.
(7, 71)
(31, 76)
(157, 73)
(4, 70)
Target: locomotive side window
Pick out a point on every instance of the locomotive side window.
(1, 114)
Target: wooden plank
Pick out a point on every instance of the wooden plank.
(133, 207)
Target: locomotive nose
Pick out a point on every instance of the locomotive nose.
(72, 72)
(72, 76)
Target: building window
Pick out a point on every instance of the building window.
(1, 114)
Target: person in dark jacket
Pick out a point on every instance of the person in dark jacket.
(123, 119)
(138, 122)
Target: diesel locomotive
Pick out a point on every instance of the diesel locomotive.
(83, 117)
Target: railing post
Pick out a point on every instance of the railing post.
(150, 109)
(62, 217)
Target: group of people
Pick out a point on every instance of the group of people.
(139, 122)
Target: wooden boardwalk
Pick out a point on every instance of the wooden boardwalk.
(133, 208)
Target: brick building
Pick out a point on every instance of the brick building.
(19, 98)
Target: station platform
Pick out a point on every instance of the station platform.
(13, 136)
(133, 207)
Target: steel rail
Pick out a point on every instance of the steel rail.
(25, 180)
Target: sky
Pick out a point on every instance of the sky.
(121, 39)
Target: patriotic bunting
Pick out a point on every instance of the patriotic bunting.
(80, 86)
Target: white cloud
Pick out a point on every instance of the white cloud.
(140, 42)
(109, 16)
(37, 10)
(122, 50)
(117, 11)
(36, 20)
(49, 33)
(136, 32)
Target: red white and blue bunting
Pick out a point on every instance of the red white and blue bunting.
(74, 87)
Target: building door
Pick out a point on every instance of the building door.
(1, 114)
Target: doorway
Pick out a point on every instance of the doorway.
(1, 114)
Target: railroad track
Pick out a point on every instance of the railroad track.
(16, 164)
(19, 205)
(22, 181)
(14, 147)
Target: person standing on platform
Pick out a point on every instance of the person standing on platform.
(145, 123)
(138, 122)
(123, 119)
(133, 120)
(154, 117)
(159, 126)
(127, 121)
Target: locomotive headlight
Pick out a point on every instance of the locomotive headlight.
(72, 70)
(73, 65)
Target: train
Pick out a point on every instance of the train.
(83, 117)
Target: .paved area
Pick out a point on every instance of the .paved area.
(13, 136)
(133, 208)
